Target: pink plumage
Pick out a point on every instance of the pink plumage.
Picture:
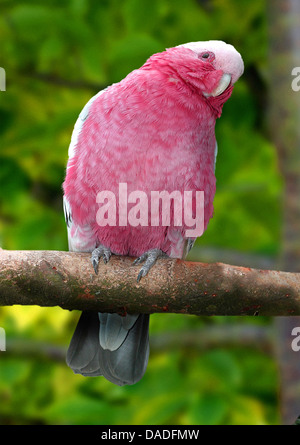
(154, 131)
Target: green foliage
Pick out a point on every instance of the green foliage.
(184, 386)
(56, 56)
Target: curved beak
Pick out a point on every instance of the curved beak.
(223, 84)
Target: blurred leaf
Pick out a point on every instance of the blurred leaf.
(79, 409)
(248, 411)
(9, 169)
(12, 372)
(220, 370)
(131, 53)
(209, 410)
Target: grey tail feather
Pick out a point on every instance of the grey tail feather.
(111, 345)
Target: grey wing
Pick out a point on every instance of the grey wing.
(189, 242)
(80, 238)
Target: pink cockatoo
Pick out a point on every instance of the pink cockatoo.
(153, 131)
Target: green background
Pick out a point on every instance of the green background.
(57, 54)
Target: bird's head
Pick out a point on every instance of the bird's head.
(211, 68)
(220, 57)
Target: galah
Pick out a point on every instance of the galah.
(153, 131)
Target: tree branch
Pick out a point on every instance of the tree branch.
(67, 279)
(63, 82)
(209, 336)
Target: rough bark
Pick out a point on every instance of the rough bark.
(66, 279)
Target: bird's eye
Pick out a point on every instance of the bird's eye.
(207, 56)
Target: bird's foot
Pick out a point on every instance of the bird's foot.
(149, 258)
(99, 252)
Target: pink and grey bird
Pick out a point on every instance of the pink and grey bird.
(154, 131)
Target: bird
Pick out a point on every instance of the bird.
(153, 131)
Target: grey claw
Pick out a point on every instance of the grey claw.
(140, 259)
(106, 257)
(95, 266)
(150, 258)
(100, 251)
(140, 275)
